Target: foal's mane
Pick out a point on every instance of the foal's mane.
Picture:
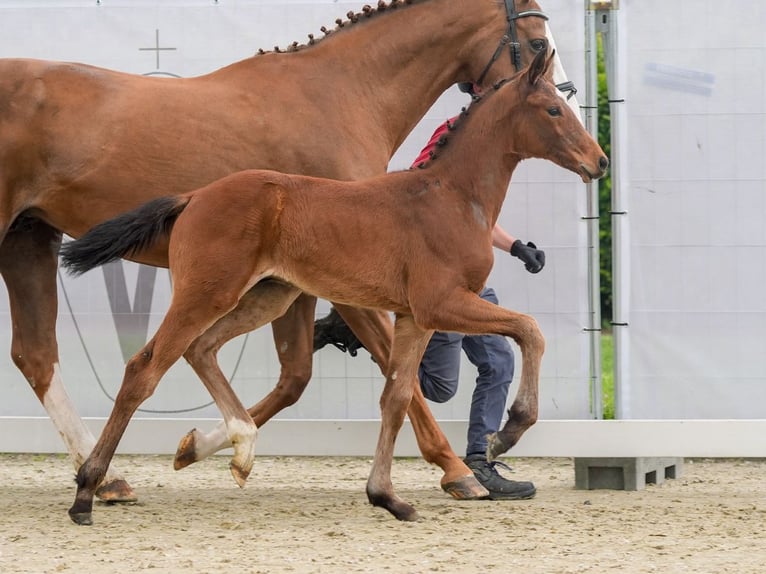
(353, 17)
(460, 119)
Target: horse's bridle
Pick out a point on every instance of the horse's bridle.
(511, 37)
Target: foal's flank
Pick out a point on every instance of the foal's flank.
(310, 232)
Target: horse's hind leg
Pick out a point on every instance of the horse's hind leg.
(375, 331)
(265, 302)
(28, 263)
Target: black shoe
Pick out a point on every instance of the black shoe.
(333, 330)
(499, 488)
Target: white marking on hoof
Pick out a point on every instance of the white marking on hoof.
(210, 443)
(242, 435)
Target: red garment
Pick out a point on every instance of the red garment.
(424, 155)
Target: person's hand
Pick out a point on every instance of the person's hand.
(533, 258)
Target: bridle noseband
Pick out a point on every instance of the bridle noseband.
(511, 38)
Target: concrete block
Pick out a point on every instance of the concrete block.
(625, 473)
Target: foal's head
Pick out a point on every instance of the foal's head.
(544, 126)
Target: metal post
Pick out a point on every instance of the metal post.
(592, 221)
(610, 22)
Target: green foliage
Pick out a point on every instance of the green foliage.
(607, 375)
(605, 240)
(604, 192)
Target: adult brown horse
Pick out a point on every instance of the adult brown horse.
(376, 243)
(79, 145)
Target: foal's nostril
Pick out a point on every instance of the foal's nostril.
(603, 163)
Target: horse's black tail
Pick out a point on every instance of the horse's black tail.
(122, 236)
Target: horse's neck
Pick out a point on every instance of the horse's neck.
(400, 61)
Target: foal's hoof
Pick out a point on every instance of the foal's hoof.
(496, 446)
(409, 515)
(81, 518)
(403, 511)
(396, 506)
(186, 451)
(240, 474)
(116, 491)
(465, 488)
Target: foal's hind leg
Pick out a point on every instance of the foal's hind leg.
(192, 312)
(28, 263)
(265, 302)
(375, 330)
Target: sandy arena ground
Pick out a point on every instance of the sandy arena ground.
(302, 515)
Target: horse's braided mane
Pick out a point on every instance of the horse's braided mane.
(353, 18)
(459, 120)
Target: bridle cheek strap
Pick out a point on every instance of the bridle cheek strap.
(510, 38)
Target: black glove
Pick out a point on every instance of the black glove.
(533, 258)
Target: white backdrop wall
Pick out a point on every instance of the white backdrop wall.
(98, 328)
(696, 97)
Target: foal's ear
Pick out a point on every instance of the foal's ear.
(540, 66)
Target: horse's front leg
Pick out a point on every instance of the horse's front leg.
(375, 330)
(28, 263)
(523, 412)
(409, 344)
(466, 312)
(265, 302)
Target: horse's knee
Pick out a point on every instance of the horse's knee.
(531, 338)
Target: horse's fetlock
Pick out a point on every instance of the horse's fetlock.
(522, 416)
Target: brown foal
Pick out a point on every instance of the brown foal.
(377, 244)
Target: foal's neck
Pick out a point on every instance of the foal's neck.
(479, 155)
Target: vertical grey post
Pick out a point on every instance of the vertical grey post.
(592, 221)
(611, 22)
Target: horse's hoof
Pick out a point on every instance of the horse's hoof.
(81, 518)
(240, 474)
(465, 488)
(185, 453)
(395, 505)
(403, 511)
(496, 446)
(409, 516)
(116, 491)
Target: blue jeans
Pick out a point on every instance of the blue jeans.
(493, 357)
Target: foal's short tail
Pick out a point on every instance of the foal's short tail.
(124, 235)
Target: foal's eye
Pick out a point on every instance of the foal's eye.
(539, 44)
(554, 111)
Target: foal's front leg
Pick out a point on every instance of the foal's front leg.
(374, 330)
(466, 312)
(409, 344)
